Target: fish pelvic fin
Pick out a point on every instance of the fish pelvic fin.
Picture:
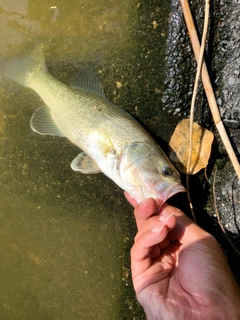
(21, 68)
(85, 164)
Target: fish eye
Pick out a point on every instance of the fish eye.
(167, 171)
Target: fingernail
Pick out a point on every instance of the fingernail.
(142, 203)
(157, 229)
(165, 218)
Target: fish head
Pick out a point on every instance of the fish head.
(148, 173)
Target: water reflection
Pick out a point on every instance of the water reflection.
(82, 30)
(65, 238)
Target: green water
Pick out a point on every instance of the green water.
(65, 237)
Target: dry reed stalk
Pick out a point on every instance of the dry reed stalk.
(199, 68)
(208, 87)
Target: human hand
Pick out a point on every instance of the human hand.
(178, 269)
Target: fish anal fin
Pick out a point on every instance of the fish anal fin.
(43, 123)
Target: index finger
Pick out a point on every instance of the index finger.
(144, 210)
(130, 199)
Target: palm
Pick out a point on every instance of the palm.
(176, 265)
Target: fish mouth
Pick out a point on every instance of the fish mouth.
(160, 196)
(171, 191)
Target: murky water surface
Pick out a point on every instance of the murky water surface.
(65, 237)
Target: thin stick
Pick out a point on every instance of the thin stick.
(189, 199)
(199, 68)
(208, 87)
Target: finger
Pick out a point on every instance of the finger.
(130, 199)
(169, 219)
(185, 230)
(141, 250)
(144, 210)
(157, 249)
(154, 221)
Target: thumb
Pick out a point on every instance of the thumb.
(185, 231)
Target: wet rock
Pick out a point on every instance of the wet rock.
(223, 61)
(231, 81)
(231, 123)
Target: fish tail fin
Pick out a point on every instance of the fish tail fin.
(21, 68)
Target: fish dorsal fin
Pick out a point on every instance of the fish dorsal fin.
(43, 123)
(84, 164)
(88, 81)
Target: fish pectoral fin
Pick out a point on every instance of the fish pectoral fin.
(43, 123)
(84, 164)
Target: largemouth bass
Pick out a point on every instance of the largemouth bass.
(112, 141)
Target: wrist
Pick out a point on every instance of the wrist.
(229, 310)
(226, 310)
(235, 310)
